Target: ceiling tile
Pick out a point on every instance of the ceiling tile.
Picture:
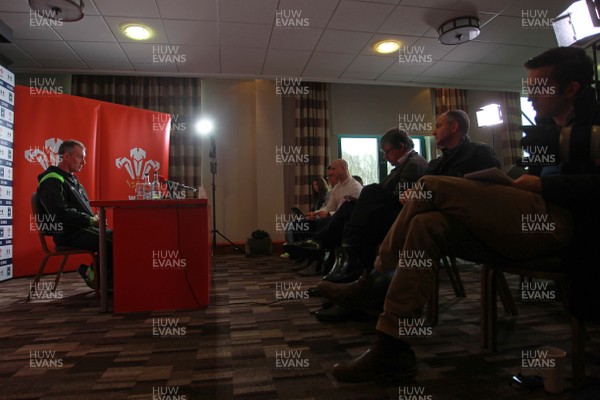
(249, 11)
(491, 6)
(500, 30)
(537, 37)
(428, 47)
(406, 69)
(448, 4)
(321, 75)
(14, 6)
(14, 53)
(91, 28)
(446, 69)
(360, 75)
(129, 8)
(318, 12)
(109, 66)
(356, 16)
(553, 8)
(25, 28)
(372, 64)
(201, 33)
(329, 61)
(295, 39)
(99, 52)
(148, 53)
(242, 60)
(409, 21)
(343, 41)
(155, 68)
(514, 55)
(285, 62)
(65, 64)
(244, 35)
(490, 72)
(48, 50)
(205, 10)
(471, 51)
(201, 58)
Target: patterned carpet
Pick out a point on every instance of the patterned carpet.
(249, 345)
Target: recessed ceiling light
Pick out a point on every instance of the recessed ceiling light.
(137, 32)
(387, 46)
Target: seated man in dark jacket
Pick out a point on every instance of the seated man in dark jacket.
(461, 212)
(459, 156)
(65, 201)
(376, 206)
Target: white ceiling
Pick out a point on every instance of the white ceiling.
(239, 38)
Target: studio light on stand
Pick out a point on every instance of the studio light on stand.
(490, 115)
(205, 128)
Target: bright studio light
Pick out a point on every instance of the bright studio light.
(489, 115)
(204, 126)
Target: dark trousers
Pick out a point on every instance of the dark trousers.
(374, 214)
(89, 239)
(330, 235)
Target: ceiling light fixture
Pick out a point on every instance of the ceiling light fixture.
(459, 30)
(61, 10)
(387, 46)
(137, 32)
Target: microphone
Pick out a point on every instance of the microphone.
(171, 184)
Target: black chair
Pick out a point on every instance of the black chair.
(492, 280)
(449, 264)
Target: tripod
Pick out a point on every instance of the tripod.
(213, 170)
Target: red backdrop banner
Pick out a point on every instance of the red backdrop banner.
(110, 133)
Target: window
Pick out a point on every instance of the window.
(527, 112)
(364, 156)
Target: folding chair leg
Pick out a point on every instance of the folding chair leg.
(454, 276)
(507, 300)
(578, 351)
(60, 271)
(488, 310)
(38, 276)
(434, 301)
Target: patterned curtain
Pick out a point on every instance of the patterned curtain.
(510, 140)
(312, 133)
(450, 99)
(179, 97)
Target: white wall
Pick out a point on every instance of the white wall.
(247, 118)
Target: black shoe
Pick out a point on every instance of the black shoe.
(367, 293)
(305, 248)
(335, 313)
(386, 359)
(87, 274)
(313, 269)
(314, 292)
(304, 264)
(347, 268)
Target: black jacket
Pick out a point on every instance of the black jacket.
(413, 167)
(577, 188)
(65, 201)
(464, 158)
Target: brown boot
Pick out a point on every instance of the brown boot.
(386, 359)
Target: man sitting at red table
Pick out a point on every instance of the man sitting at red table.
(65, 202)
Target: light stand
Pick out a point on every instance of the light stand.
(213, 170)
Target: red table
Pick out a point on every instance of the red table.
(161, 254)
